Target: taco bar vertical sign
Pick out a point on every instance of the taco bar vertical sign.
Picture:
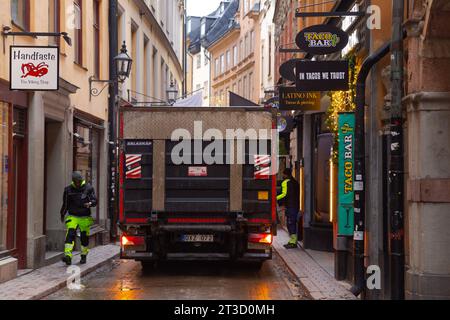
(346, 174)
(34, 68)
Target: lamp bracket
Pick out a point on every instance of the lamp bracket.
(94, 92)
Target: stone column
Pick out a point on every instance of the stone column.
(428, 215)
(35, 201)
(427, 221)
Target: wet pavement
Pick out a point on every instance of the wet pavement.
(126, 280)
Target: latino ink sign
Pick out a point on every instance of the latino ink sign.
(34, 68)
(292, 99)
(322, 76)
(322, 39)
(346, 174)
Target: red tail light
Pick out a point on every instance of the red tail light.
(260, 238)
(132, 241)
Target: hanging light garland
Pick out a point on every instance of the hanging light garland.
(342, 101)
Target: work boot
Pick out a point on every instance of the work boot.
(290, 246)
(83, 259)
(67, 260)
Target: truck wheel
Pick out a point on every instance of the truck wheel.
(148, 265)
(256, 265)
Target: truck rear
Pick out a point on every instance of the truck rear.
(197, 183)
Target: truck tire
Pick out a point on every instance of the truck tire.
(148, 265)
(256, 265)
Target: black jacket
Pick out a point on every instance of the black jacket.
(290, 196)
(74, 200)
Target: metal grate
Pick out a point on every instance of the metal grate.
(19, 122)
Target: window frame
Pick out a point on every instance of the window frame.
(25, 24)
(78, 35)
(97, 41)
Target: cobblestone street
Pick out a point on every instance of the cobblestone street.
(125, 280)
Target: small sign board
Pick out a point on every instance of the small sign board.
(292, 99)
(198, 172)
(322, 39)
(322, 76)
(346, 174)
(34, 68)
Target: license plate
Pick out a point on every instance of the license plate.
(197, 238)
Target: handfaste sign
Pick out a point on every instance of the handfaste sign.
(34, 68)
(292, 99)
(322, 39)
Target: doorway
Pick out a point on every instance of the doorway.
(17, 202)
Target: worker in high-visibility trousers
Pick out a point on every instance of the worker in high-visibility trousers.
(78, 199)
(290, 198)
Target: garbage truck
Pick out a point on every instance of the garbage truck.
(197, 183)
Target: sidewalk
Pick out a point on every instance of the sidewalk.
(317, 278)
(47, 280)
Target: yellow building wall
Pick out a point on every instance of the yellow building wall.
(77, 75)
(248, 64)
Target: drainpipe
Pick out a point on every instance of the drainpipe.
(360, 203)
(185, 48)
(113, 93)
(396, 161)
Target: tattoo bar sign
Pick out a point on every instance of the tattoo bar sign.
(292, 99)
(322, 76)
(346, 174)
(34, 68)
(322, 39)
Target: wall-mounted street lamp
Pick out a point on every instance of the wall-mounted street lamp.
(123, 64)
(172, 94)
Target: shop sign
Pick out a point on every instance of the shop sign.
(322, 76)
(321, 39)
(346, 174)
(34, 68)
(287, 69)
(292, 99)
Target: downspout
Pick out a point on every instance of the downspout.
(185, 48)
(396, 158)
(360, 154)
(113, 93)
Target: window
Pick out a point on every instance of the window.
(54, 20)
(96, 26)
(245, 93)
(222, 64)
(199, 61)
(270, 54)
(240, 87)
(241, 51)
(228, 59)
(86, 156)
(250, 85)
(252, 41)
(246, 45)
(78, 32)
(216, 67)
(235, 55)
(20, 13)
(263, 60)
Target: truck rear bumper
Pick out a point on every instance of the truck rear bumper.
(148, 256)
